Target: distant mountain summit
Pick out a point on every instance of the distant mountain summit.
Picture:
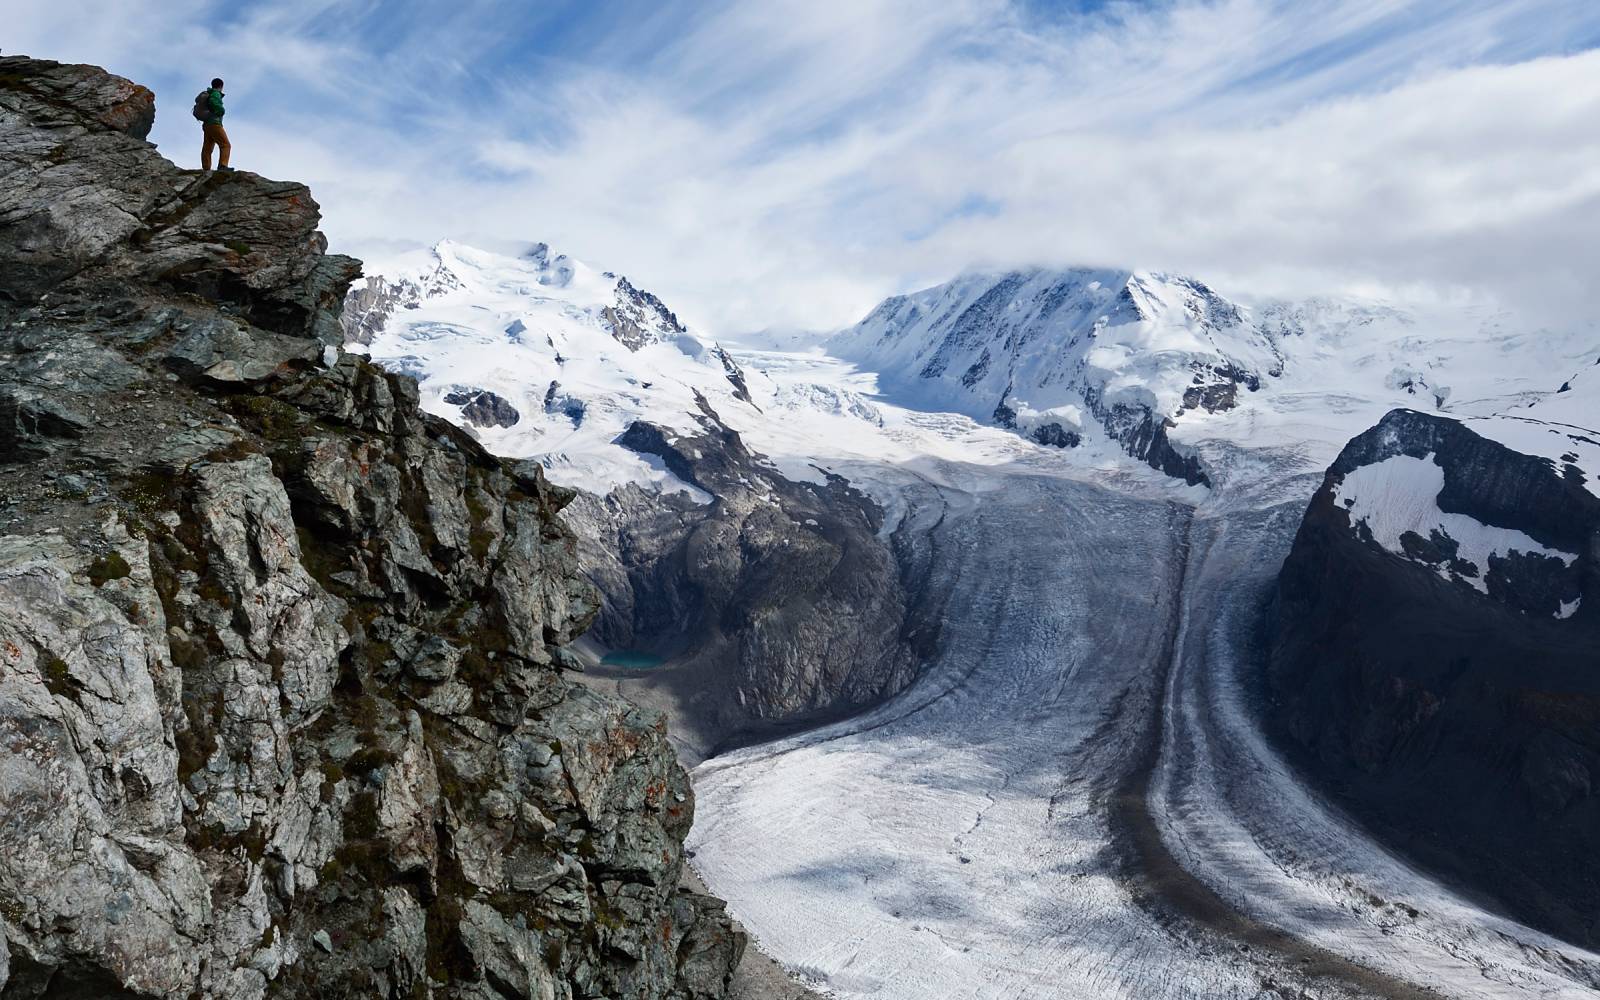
(634, 317)
(1162, 363)
(541, 355)
(1052, 353)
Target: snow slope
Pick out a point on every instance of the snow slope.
(1111, 362)
(1563, 427)
(1093, 351)
(578, 354)
(1400, 496)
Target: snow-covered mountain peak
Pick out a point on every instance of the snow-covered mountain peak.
(541, 354)
(548, 357)
(1162, 363)
(1043, 350)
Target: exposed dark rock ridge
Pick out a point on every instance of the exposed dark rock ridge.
(482, 408)
(777, 601)
(1143, 434)
(1056, 436)
(280, 710)
(1464, 721)
(741, 388)
(368, 308)
(639, 318)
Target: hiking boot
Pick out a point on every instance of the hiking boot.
(224, 170)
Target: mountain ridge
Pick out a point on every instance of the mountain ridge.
(1160, 363)
(282, 697)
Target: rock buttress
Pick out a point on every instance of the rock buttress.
(279, 707)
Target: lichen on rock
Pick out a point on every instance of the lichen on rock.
(280, 709)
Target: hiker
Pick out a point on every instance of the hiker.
(208, 108)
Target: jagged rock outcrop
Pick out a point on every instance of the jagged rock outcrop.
(280, 709)
(776, 600)
(638, 318)
(1435, 655)
(368, 307)
(482, 408)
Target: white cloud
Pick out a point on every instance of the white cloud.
(789, 163)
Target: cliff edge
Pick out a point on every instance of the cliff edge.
(1435, 654)
(281, 708)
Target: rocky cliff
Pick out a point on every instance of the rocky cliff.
(772, 601)
(776, 601)
(1436, 653)
(280, 706)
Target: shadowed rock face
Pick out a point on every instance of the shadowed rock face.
(777, 601)
(1458, 707)
(280, 709)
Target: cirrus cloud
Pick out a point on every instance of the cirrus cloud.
(789, 163)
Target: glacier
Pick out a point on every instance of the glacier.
(1073, 798)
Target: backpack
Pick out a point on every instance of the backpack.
(202, 105)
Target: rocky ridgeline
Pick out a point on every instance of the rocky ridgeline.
(280, 706)
(1453, 702)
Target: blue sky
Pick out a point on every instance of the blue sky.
(788, 163)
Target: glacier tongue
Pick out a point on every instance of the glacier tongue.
(1074, 799)
(1039, 810)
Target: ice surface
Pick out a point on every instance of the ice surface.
(961, 841)
(971, 837)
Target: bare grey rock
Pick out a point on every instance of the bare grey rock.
(368, 308)
(638, 317)
(31, 421)
(279, 705)
(482, 408)
(778, 602)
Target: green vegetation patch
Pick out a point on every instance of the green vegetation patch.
(57, 678)
(271, 418)
(110, 566)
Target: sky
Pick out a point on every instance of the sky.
(789, 163)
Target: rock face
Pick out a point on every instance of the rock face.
(776, 599)
(1435, 656)
(638, 318)
(482, 408)
(279, 704)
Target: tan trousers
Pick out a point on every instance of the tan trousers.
(216, 138)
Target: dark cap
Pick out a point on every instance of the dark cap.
(217, 82)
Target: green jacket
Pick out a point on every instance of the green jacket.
(217, 111)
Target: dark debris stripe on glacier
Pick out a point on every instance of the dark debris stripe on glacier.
(988, 832)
